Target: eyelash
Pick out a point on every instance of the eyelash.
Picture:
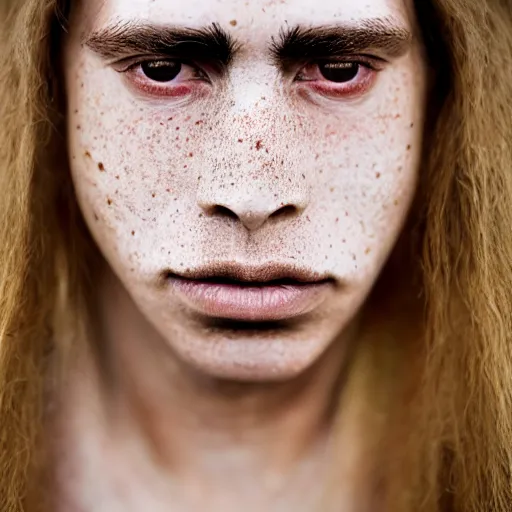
(367, 66)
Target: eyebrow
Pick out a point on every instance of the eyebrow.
(212, 43)
(384, 36)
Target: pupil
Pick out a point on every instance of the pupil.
(339, 71)
(161, 70)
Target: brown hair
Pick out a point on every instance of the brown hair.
(455, 428)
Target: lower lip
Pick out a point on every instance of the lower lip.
(251, 303)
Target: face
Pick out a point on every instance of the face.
(245, 167)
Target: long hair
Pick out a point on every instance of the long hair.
(452, 427)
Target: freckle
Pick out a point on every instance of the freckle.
(78, 127)
(337, 219)
(412, 124)
(133, 233)
(408, 147)
(185, 166)
(395, 202)
(331, 189)
(400, 169)
(199, 177)
(303, 176)
(233, 23)
(201, 215)
(377, 175)
(101, 167)
(153, 195)
(191, 154)
(167, 189)
(109, 201)
(354, 257)
(76, 111)
(87, 154)
(240, 140)
(187, 139)
(258, 144)
(96, 217)
(368, 250)
(200, 121)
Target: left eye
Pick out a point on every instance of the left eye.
(161, 70)
(339, 72)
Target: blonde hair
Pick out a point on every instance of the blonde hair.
(454, 423)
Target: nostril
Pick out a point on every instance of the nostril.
(285, 212)
(222, 211)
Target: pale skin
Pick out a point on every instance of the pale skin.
(245, 157)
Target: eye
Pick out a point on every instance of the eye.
(339, 72)
(164, 77)
(161, 70)
(347, 78)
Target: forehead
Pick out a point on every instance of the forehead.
(264, 14)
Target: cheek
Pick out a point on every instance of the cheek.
(368, 170)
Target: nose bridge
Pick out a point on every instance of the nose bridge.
(257, 169)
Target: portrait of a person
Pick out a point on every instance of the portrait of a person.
(255, 255)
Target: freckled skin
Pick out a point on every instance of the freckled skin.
(148, 170)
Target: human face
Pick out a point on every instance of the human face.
(245, 140)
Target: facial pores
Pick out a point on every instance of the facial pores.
(146, 171)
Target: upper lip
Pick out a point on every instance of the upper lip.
(262, 273)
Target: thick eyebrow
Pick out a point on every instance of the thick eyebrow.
(210, 43)
(384, 36)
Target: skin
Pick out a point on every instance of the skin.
(196, 407)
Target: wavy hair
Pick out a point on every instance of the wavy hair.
(451, 425)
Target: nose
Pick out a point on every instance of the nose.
(253, 213)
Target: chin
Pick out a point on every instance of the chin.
(252, 353)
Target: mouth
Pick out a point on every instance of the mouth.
(251, 293)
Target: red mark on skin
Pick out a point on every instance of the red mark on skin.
(177, 127)
(167, 189)
(191, 154)
(258, 145)
(233, 23)
(377, 175)
(185, 166)
(240, 140)
(170, 119)
(101, 167)
(188, 118)
(199, 122)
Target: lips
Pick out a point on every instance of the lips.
(251, 293)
